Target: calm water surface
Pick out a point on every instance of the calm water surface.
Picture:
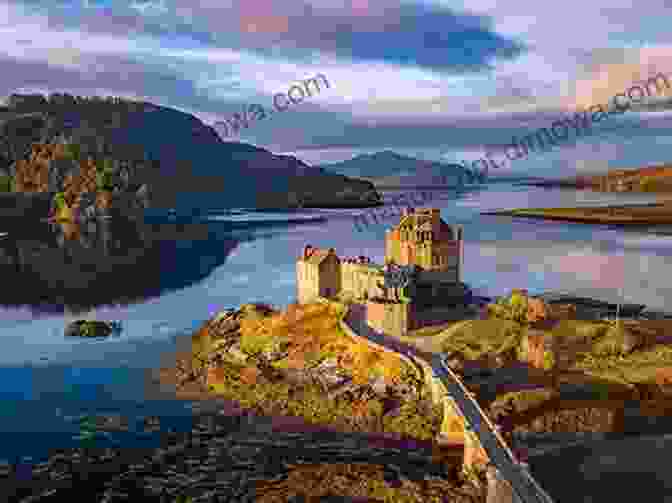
(163, 279)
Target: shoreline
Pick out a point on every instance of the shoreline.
(290, 423)
(645, 214)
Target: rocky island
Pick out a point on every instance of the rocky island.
(534, 365)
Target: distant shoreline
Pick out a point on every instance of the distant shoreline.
(623, 215)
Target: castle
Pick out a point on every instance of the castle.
(421, 239)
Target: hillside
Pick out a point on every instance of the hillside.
(389, 169)
(183, 161)
(648, 179)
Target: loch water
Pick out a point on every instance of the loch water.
(164, 277)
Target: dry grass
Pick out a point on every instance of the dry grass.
(363, 481)
(475, 339)
(520, 401)
(580, 328)
(431, 331)
(639, 214)
(311, 333)
(641, 365)
(471, 338)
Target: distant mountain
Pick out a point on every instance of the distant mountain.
(388, 168)
(184, 162)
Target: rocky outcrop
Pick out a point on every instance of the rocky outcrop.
(89, 328)
(389, 169)
(222, 343)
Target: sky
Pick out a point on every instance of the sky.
(436, 79)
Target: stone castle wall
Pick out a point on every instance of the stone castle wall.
(360, 281)
(307, 284)
(390, 318)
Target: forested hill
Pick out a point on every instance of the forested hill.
(183, 161)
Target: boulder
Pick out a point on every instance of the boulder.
(111, 422)
(297, 376)
(89, 328)
(379, 385)
(618, 340)
(151, 424)
(456, 364)
(225, 315)
(536, 310)
(224, 328)
(329, 373)
(256, 311)
(405, 390)
(236, 353)
(250, 375)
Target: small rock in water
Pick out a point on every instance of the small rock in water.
(92, 328)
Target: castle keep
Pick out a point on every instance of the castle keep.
(421, 239)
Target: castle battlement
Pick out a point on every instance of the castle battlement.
(421, 238)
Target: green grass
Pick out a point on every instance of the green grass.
(311, 404)
(477, 338)
(639, 366)
(6, 184)
(254, 344)
(430, 331)
(523, 400)
(579, 328)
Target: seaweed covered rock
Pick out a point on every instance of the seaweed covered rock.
(89, 328)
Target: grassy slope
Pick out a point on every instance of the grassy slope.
(312, 334)
(609, 377)
(362, 481)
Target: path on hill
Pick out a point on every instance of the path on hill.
(498, 452)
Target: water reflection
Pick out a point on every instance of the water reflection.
(71, 267)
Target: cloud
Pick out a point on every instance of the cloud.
(610, 79)
(435, 76)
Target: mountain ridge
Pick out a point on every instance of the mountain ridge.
(187, 163)
(388, 168)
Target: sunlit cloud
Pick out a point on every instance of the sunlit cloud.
(434, 76)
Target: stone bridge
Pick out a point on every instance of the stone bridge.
(464, 422)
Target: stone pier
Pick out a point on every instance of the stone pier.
(499, 490)
(475, 457)
(452, 427)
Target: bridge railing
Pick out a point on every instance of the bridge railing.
(426, 371)
(482, 413)
(524, 471)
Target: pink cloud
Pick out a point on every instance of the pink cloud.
(604, 271)
(614, 78)
(257, 16)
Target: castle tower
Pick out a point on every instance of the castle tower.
(423, 239)
(318, 274)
